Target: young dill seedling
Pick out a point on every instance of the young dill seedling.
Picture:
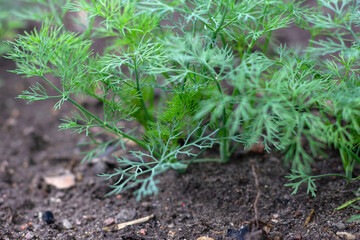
(198, 74)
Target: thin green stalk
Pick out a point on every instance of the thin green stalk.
(224, 150)
(350, 29)
(230, 22)
(310, 43)
(267, 41)
(204, 160)
(225, 144)
(330, 175)
(139, 92)
(207, 25)
(254, 39)
(193, 31)
(88, 31)
(185, 79)
(101, 122)
(220, 26)
(348, 203)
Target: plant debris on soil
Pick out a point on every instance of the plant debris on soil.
(243, 199)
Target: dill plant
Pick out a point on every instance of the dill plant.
(198, 74)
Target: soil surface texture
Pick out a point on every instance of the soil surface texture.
(209, 201)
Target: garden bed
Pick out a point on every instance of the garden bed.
(209, 200)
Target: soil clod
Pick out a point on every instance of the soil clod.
(48, 217)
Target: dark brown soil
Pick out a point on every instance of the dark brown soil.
(209, 200)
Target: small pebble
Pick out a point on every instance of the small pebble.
(66, 224)
(48, 217)
(171, 234)
(125, 215)
(24, 226)
(30, 235)
(99, 167)
(89, 218)
(346, 235)
(109, 221)
(297, 213)
(142, 231)
(238, 234)
(340, 226)
(297, 236)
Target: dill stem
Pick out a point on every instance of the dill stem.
(218, 28)
(101, 122)
(204, 160)
(139, 92)
(254, 39)
(225, 144)
(330, 175)
(310, 43)
(267, 41)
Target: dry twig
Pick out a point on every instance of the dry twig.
(308, 219)
(125, 224)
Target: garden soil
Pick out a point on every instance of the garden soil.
(209, 201)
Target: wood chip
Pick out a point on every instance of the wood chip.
(61, 181)
(125, 224)
(346, 235)
(109, 221)
(205, 238)
(142, 231)
(171, 234)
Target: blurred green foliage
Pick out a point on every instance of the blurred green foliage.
(9, 22)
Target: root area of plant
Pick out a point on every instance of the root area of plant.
(242, 199)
